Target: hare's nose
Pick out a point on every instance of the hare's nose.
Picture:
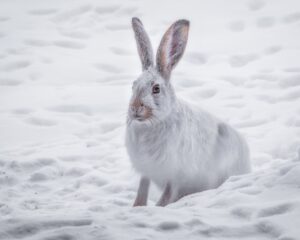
(137, 104)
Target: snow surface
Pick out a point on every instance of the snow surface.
(66, 69)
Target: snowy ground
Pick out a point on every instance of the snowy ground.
(66, 69)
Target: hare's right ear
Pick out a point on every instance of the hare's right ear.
(143, 44)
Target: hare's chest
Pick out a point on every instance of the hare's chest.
(152, 156)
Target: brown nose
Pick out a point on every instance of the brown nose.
(137, 103)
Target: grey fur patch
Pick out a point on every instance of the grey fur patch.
(222, 129)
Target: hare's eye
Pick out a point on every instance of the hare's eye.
(155, 89)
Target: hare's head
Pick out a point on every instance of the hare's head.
(152, 94)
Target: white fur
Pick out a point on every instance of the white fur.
(181, 145)
(190, 149)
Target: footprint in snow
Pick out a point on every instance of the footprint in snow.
(265, 22)
(68, 44)
(37, 42)
(252, 123)
(168, 226)
(62, 236)
(32, 228)
(82, 109)
(45, 11)
(108, 68)
(237, 26)
(17, 65)
(242, 60)
(9, 82)
(196, 58)
(242, 212)
(292, 70)
(255, 5)
(106, 9)
(291, 18)
(22, 111)
(4, 19)
(291, 81)
(188, 83)
(41, 122)
(205, 93)
(72, 14)
(275, 210)
(127, 11)
(75, 34)
(120, 51)
(117, 27)
(272, 49)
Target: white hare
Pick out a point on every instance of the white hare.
(180, 148)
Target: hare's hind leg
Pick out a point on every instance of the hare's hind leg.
(142, 194)
(165, 197)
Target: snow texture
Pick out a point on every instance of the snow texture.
(66, 70)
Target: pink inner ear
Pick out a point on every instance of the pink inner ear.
(172, 47)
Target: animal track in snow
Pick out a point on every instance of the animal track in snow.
(75, 34)
(251, 123)
(242, 212)
(127, 11)
(251, 191)
(38, 121)
(272, 50)
(255, 5)
(292, 70)
(291, 18)
(106, 9)
(275, 210)
(45, 11)
(291, 81)
(9, 82)
(17, 65)
(22, 111)
(82, 109)
(72, 14)
(265, 22)
(188, 83)
(37, 42)
(206, 93)
(242, 60)
(120, 51)
(108, 68)
(4, 19)
(32, 228)
(237, 26)
(62, 236)
(69, 44)
(117, 27)
(196, 58)
(168, 226)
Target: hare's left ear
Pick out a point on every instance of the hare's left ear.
(172, 47)
(143, 44)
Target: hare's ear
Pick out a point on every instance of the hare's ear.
(143, 44)
(172, 47)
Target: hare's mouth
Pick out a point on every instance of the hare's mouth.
(139, 118)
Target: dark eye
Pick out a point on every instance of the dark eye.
(155, 89)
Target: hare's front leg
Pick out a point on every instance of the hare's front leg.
(142, 194)
(165, 197)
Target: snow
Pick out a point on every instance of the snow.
(66, 69)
